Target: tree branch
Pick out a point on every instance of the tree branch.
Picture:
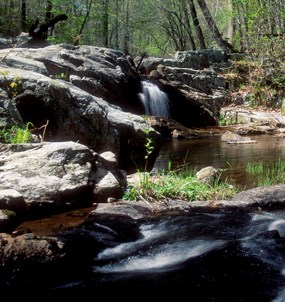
(41, 32)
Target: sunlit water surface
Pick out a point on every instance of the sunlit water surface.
(233, 158)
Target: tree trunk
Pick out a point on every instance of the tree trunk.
(77, 38)
(49, 14)
(200, 37)
(213, 27)
(127, 28)
(242, 25)
(105, 4)
(40, 32)
(230, 29)
(116, 34)
(188, 26)
(49, 10)
(24, 16)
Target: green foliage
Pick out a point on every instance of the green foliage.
(255, 24)
(178, 184)
(263, 83)
(62, 76)
(15, 87)
(267, 174)
(16, 135)
(149, 146)
(184, 185)
(8, 213)
(181, 185)
(225, 120)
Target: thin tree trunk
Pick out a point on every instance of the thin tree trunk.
(199, 33)
(49, 10)
(230, 30)
(188, 26)
(106, 22)
(213, 27)
(24, 16)
(77, 38)
(116, 35)
(49, 14)
(243, 26)
(85, 18)
(127, 28)
(176, 26)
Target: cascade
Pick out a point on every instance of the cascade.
(155, 101)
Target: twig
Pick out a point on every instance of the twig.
(44, 131)
(137, 68)
(11, 49)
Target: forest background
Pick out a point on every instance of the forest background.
(157, 27)
(161, 28)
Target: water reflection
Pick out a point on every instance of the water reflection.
(202, 152)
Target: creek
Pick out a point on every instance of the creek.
(223, 255)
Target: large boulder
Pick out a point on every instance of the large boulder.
(103, 72)
(74, 114)
(42, 178)
(196, 90)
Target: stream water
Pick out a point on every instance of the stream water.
(225, 255)
(232, 158)
(154, 101)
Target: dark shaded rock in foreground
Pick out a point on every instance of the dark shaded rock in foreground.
(70, 253)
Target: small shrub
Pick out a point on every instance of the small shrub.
(16, 135)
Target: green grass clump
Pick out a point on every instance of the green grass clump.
(267, 174)
(181, 185)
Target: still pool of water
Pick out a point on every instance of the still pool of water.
(211, 151)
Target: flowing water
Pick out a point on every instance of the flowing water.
(223, 256)
(155, 101)
(219, 255)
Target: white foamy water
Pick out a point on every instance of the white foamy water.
(154, 100)
(280, 297)
(163, 256)
(149, 232)
(263, 246)
(278, 225)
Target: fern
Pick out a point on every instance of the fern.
(17, 135)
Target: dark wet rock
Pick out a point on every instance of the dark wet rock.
(71, 251)
(29, 248)
(270, 198)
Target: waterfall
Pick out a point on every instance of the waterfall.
(154, 100)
